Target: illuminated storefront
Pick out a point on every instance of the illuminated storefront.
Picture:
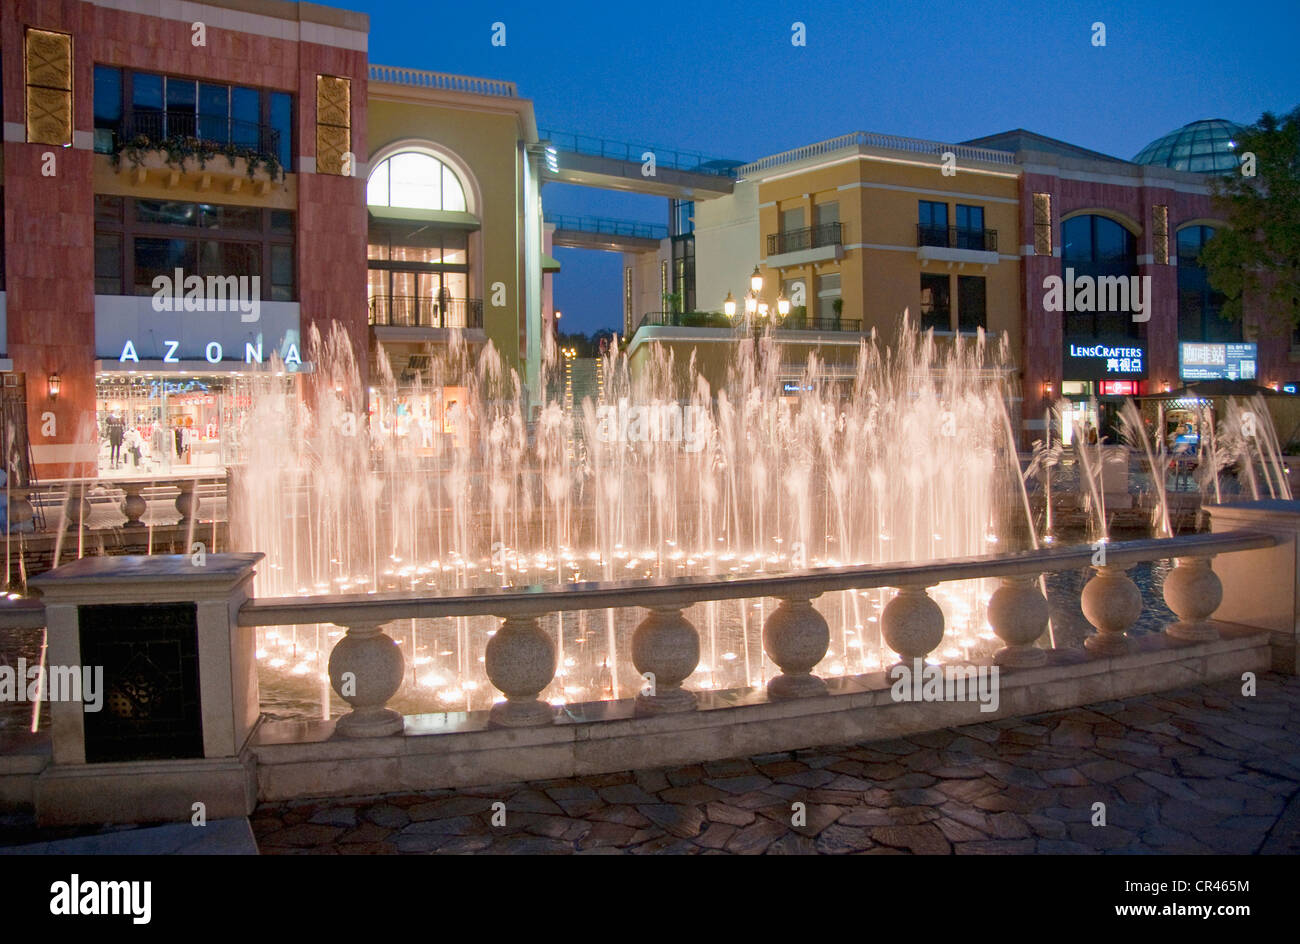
(166, 424)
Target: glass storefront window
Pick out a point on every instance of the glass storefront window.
(168, 425)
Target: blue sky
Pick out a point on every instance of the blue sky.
(723, 78)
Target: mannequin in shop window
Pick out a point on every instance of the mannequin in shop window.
(134, 446)
(116, 432)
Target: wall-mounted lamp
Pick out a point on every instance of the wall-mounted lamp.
(1167, 386)
(1047, 388)
(55, 385)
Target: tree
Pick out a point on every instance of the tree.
(1258, 253)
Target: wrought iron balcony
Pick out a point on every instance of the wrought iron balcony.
(419, 311)
(954, 237)
(216, 131)
(809, 237)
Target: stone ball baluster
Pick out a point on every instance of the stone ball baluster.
(520, 663)
(78, 507)
(366, 668)
(21, 509)
(912, 624)
(1112, 603)
(666, 646)
(187, 502)
(1018, 613)
(796, 637)
(1193, 591)
(133, 504)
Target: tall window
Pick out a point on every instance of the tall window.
(681, 215)
(828, 290)
(419, 277)
(417, 181)
(1199, 304)
(971, 310)
(932, 223)
(130, 104)
(139, 240)
(936, 309)
(1098, 247)
(970, 227)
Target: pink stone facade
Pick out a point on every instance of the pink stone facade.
(49, 221)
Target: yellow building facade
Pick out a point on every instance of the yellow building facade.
(859, 229)
(456, 240)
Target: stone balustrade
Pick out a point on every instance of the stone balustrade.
(1237, 616)
(71, 503)
(520, 659)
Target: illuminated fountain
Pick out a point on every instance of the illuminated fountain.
(906, 457)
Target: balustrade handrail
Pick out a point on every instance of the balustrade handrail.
(890, 142)
(680, 592)
(422, 78)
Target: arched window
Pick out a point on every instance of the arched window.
(1199, 304)
(1098, 247)
(417, 181)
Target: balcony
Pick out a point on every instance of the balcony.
(819, 243)
(954, 244)
(418, 311)
(184, 144)
(952, 237)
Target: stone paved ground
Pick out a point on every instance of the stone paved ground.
(1201, 770)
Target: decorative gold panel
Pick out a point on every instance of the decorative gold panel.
(1042, 224)
(48, 77)
(1160, 233)
(333, 124)
(49, 59)
(331, 145)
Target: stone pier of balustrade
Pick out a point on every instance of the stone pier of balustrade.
(171, 723)
(1262, 587)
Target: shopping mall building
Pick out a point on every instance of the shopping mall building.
(192, 192)
(967, 237)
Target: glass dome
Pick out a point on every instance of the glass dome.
(1204, 147)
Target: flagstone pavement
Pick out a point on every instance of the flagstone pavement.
(1204, 769)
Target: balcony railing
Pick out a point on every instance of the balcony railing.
(418, 311)
(215, 131)
(609, 227)
(889, 142)
(443, 81)
(713, 319)
(794, 322)
(809, 237)
(955, 237)
(672, 158)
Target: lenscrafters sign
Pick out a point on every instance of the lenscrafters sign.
(1094, 359)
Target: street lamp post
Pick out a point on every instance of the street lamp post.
(758, 314)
